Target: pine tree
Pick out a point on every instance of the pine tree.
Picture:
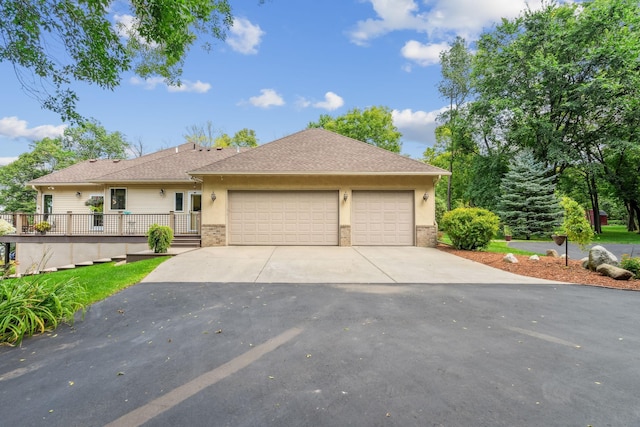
(528, 204)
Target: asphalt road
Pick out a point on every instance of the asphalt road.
(618, 249)
(161, 354)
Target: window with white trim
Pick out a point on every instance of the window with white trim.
(179, 202)
(118, 199)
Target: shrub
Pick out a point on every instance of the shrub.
(470, 228)
(35, 305)
(631, 264)
(575, 223)
(5, 227)
(159, 238)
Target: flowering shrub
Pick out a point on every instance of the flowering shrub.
(6, 228)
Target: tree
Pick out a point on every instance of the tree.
(89, 48)
(207, 136)
(455, 87)
(245, 138)
(373, 125)
(528, 204)
(90, 140)
(575, 223)
(563, 81)
(204, 135)
(87, 141)
(45, 157)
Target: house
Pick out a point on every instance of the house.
(314, 187)
(317, 187)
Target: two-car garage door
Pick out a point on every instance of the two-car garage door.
(283, 218)
(312, 218)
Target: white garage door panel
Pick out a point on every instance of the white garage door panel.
(383, 218)
(283, 217)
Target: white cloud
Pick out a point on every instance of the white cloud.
(6, 160)
(185, 86)
(418, 126)
(125, 25)
(12, 127)
(189, 86)
(423, 54)
(439, 20)
(244, 36)
(331, 102)
(392, 15)
(268, 98)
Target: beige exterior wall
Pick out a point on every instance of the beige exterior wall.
(40, 256)
(141, 199)
(214, 213)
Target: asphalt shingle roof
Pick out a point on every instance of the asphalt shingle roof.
(171, 164)
(318, 151)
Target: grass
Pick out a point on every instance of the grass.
(35, 304)
(497, 246)
(617, 234)
(103, 280)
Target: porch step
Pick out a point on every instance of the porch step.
(186, 242)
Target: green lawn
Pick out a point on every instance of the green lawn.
(498, 246)
(617, 234)
(103, 280)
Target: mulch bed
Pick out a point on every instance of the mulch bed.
(548, 268)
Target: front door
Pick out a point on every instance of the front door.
(195, 206)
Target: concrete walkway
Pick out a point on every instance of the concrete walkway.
(317, 264)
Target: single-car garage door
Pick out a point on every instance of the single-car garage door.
(283, 217)
(383, 218)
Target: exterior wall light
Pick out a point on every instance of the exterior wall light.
(425, 197)
(346, 196)
(78, 194)
(213, 196)
(162, 192)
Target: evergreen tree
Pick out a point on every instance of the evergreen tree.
(528, 204)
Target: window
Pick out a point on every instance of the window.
(118, 199)
(179, 205)
(48, 203)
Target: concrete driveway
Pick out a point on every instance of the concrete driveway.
(317, 264)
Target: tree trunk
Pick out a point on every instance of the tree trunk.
(595, 205)
(449, 182)
(631, 221)
(635, 208)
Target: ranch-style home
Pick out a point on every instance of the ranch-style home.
(314, 187)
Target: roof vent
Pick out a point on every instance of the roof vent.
(219, 148)
(116, 160)
(93, 160)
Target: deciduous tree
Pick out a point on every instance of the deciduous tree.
(62, 42)
(373, 125)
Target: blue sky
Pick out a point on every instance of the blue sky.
(284, 63)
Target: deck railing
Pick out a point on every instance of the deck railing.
(120, 224)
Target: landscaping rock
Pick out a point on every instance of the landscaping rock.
(534, 258)
(510, 258)
(614, 272)
(585, 262)
(598, 255)
(552, 253)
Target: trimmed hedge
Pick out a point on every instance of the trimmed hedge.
(159, 238)
(470, 228)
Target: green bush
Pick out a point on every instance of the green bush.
(159, 238)
(575, 224)
(470, 228)
(34, 305)
(631, 264)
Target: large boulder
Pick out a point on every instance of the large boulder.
(598, 255)
(614, 272)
